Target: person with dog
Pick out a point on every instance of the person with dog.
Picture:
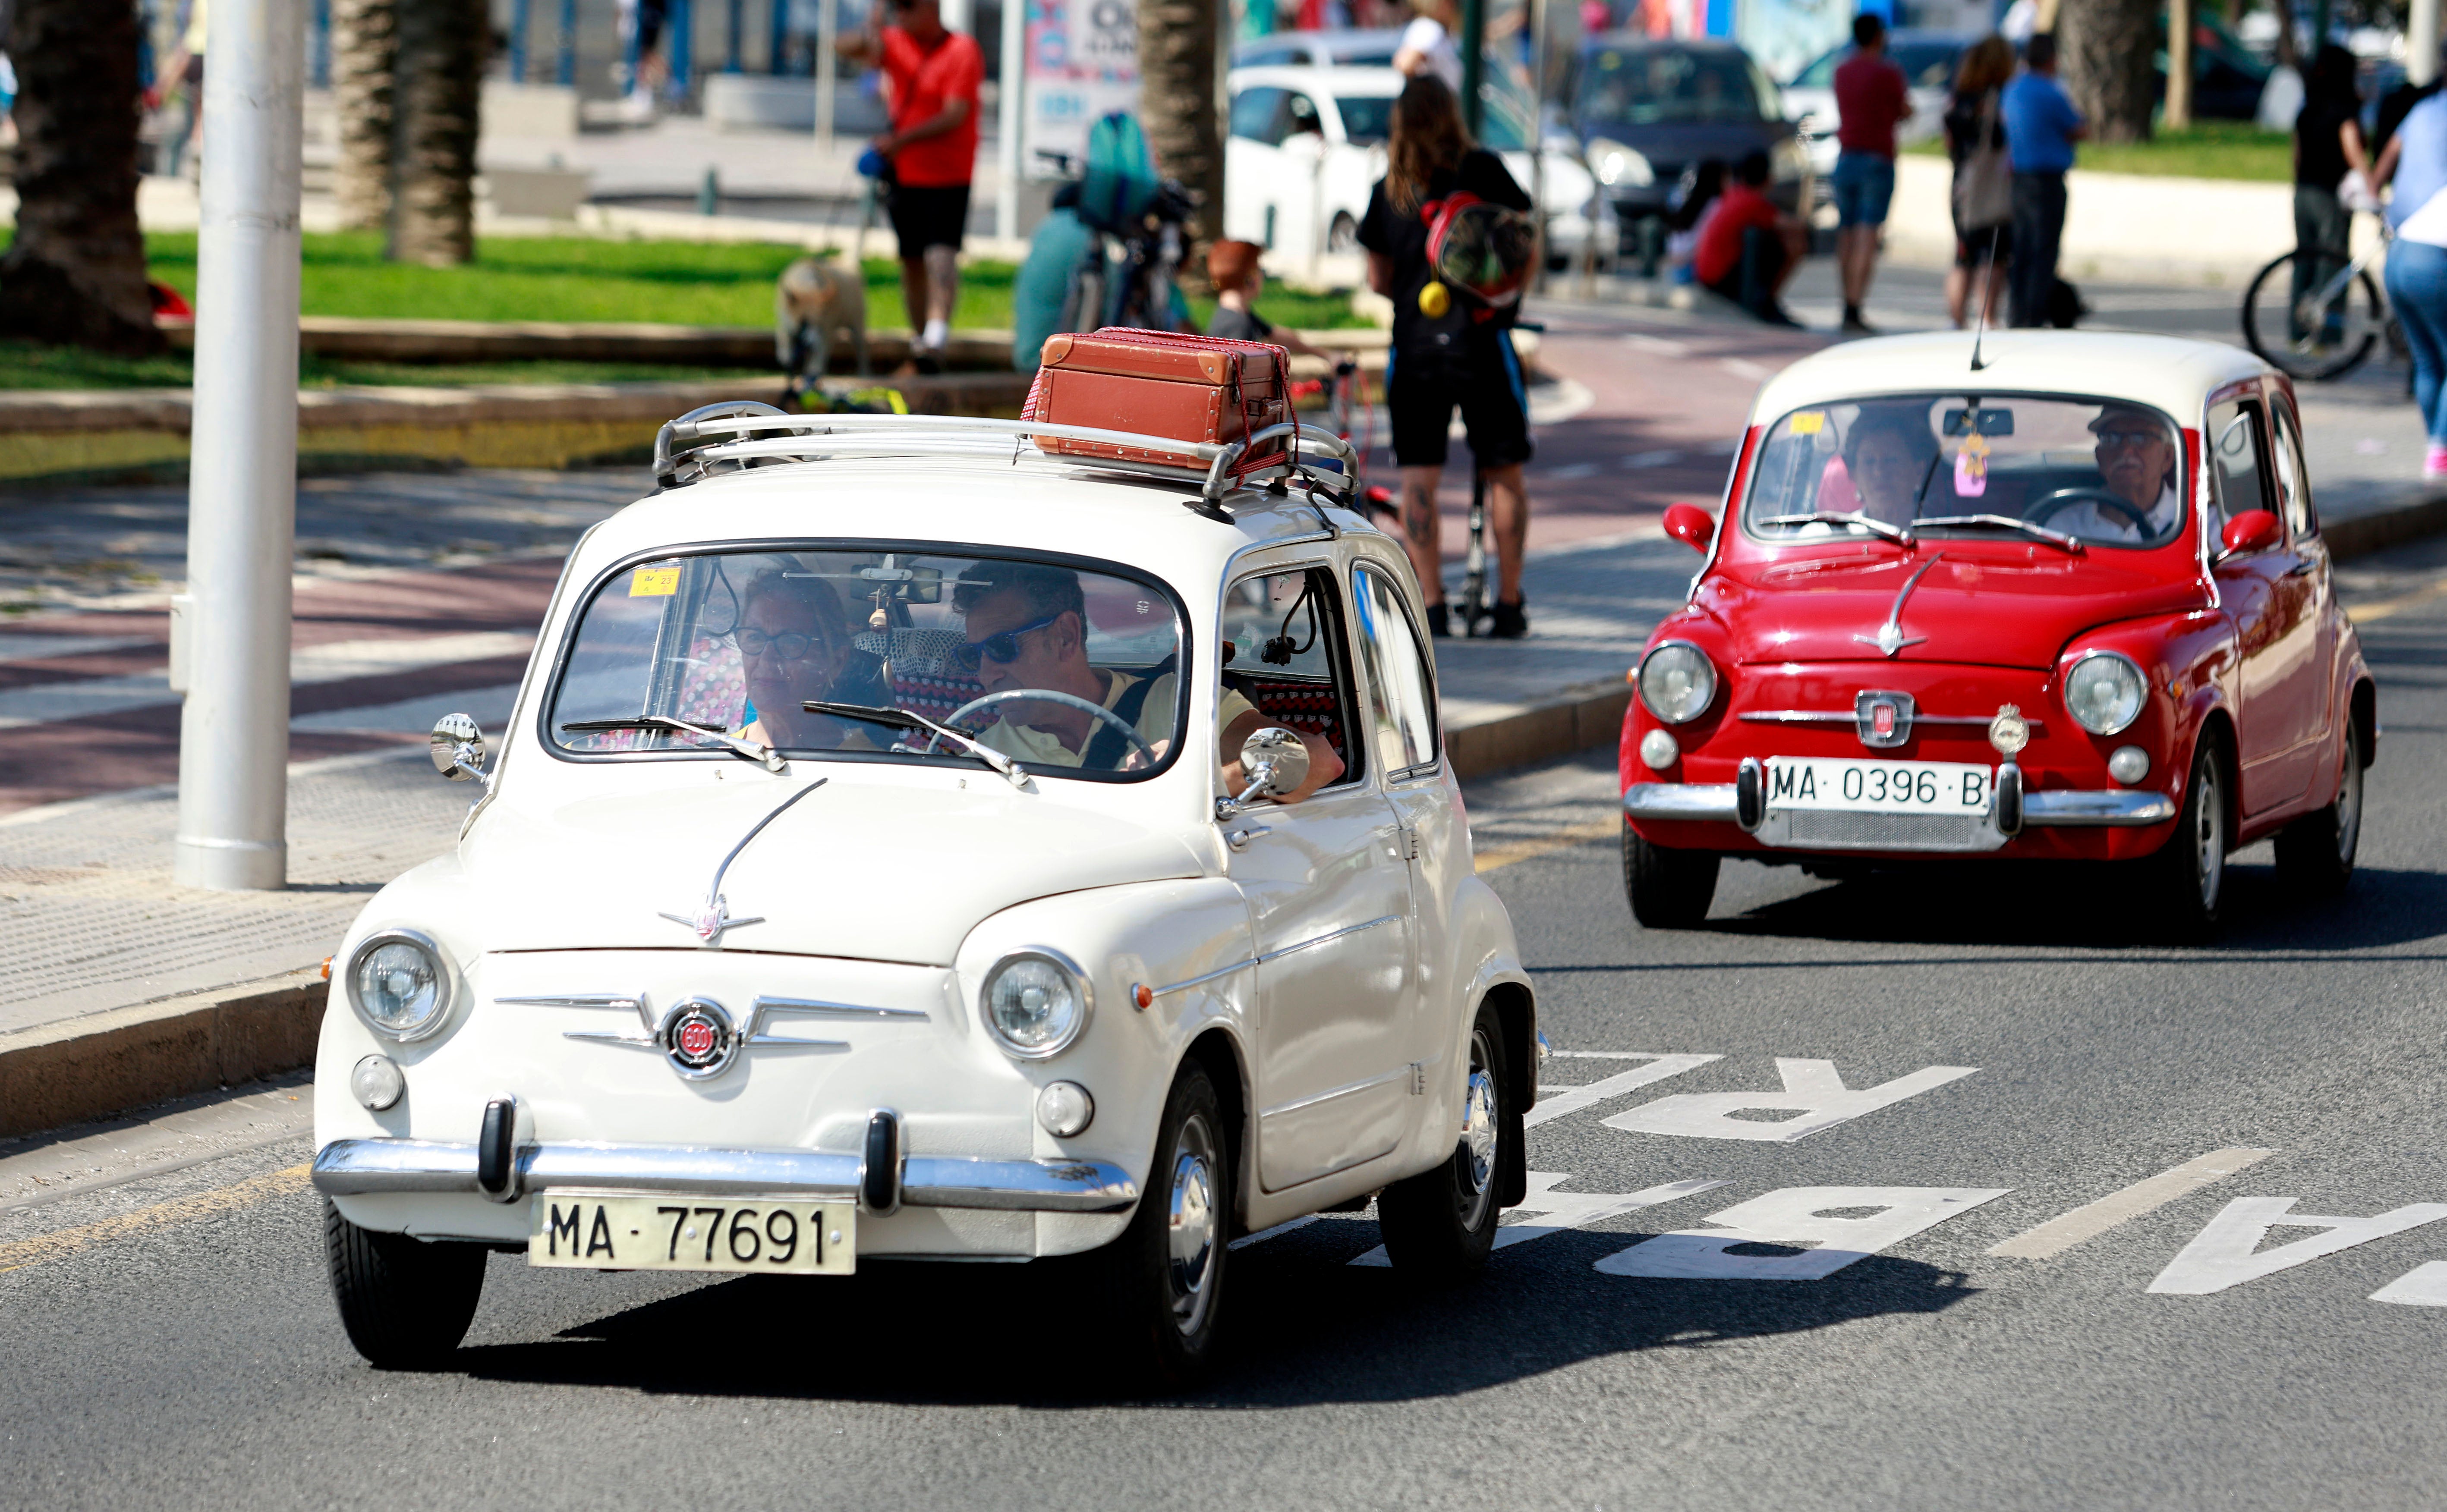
(2041, 126)
(932, 150)
(1445, 350)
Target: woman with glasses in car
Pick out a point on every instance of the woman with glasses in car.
(794, 645)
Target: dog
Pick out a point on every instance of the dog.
(815, 299)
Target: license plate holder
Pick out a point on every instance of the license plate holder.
(663, 1231)
(1854, 785)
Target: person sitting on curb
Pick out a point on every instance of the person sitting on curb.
(1750, 248)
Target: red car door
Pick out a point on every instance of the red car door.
(2268, 604)
(2316, 733)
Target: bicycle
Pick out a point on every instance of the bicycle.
(1125, 276)
(1475, 603)
(2329, 331)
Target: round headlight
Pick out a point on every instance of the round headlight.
(1035, 1003)
(399, 984)
(2103, 692)
(1677, 682)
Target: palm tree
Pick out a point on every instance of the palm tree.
(1180, 88)
(76, 270)
(2109, 49)
(364, 42)
(408, 78)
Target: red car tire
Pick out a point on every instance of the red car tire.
(2315, 854)
(2186, 879)
(1668, 889)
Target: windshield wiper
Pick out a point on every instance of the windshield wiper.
(903, 719)
(764, 755)
(2054, 538)
(1830, 517)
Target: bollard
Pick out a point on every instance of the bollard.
(709, 194)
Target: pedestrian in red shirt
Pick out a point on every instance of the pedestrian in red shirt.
(932, 151)
(1869, 99)
(1749, 248)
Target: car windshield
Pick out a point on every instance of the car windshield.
(2101, 472)
(676, 654)
(1366, 119)
(1643, 86)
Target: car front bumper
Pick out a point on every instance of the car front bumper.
(368, 1167)
(1829, 830)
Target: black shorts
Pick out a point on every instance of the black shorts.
(1494, 413)
(923, 218)
(1971, 248)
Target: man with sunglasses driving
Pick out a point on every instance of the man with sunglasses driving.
(2137, 459)
(1027, 628)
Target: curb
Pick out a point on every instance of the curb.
(103, 1063)
(2361, 535)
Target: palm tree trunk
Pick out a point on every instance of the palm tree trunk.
(364, 47)
(1179, 85)
(75, 272)
(438, 83)
(2108, 48)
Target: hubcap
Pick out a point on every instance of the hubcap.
(1192, 1223)
(1474, 1159)
(2209, 840)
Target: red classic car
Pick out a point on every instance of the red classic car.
(2063, 598)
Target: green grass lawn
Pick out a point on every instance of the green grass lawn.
(2212, 149)
(559, 278)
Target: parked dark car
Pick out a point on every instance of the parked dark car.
(1646, 108)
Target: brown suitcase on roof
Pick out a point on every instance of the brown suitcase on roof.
(1158, 383)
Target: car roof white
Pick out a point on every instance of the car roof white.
(2166, 373)
(1336, 78)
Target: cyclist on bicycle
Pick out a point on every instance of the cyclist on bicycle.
(1447, 350)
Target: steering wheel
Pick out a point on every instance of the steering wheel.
(1046, 695)
(2050, 505)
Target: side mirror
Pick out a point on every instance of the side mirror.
(1274, 762)
(458, 748)
(2252, 531)
(1691, 525)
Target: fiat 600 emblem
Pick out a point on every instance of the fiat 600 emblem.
(698, 1038)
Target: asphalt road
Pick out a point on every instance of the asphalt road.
(167, 1338)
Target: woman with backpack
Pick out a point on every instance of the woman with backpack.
(1983, 178)
(1448, 347)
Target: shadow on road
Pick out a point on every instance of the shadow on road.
(1305, 1328)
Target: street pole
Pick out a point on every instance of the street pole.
(1008, 98)
(828, 71)
(242, 475)
(2421, 42)
(1472, 43)
(2178, 111)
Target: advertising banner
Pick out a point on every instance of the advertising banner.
(1083, 63)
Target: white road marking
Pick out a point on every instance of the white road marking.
(1661, 346)
(1263, 1234)
(1653, 459)
(1809, 1087)
(2089, 1221)
(2422, 1286)
(1744, 368)
(1570, 470)
(1573, 1099)
(336, 662)
(2227, 1252)
(1572, 1210)
(1794, 1218)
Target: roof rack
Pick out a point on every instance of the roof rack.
(1322, 462)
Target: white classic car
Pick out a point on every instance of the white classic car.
(863, 876)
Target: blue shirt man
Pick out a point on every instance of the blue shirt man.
(2040, 124)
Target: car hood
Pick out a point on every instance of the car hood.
(1978, 610)
(868, 871)
(1670, 147)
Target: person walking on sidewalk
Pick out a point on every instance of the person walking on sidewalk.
(1445, 350)
(2041, 126)
(1748, 249)
(2414, 160)
(1870, 98)
(1983, 179)
(932, 149)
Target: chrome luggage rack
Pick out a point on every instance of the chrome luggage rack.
(1321, 461)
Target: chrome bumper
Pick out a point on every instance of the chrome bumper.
(1680, 801)
(2111, 809)
(373, 1167)
(2062, 809)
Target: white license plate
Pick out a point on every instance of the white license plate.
(629, 1232)
(1877, 787)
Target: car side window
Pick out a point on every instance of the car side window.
(2293, 481)
(1282, 639)
(1401, 690)
(1299, 114)
(1253, 113)
(2238, 460)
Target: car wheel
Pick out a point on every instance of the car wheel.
(1440, 1224)
(1168, 1268)
(1343, 235)
(406, 1303)
(2187, 878)
(2315, 854)
(1669, 889)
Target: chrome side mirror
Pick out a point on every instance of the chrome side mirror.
(458, 748)
(1274, 762)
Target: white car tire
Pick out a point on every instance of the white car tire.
(1167, 1273)
(406, 1303)
(1440, 1224)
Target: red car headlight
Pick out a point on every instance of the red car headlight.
(1677, 682)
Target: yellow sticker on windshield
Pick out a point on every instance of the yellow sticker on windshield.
(1809, 422)
(655, 582)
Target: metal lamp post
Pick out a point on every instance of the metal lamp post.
(242, 477)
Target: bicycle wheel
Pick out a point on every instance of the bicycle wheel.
(2326, 334)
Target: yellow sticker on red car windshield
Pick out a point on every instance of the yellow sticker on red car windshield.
(1809, 422)
(655, 582)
